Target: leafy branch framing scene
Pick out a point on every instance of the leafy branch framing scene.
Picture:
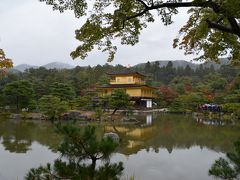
(212, 28)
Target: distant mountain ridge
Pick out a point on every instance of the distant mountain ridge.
(23, 67)
(183, 63)
(58, 65)
(176, 64)
(52, 65)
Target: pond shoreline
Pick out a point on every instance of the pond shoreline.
(107, 115)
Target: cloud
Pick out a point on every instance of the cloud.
(32, 33)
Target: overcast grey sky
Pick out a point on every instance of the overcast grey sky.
(32, 33)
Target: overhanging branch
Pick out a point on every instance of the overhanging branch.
(214, 25)
(233, 28)
(158, 6)
(143, 3)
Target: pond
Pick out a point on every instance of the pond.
(160, 146)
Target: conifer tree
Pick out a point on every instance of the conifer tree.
(80, 150)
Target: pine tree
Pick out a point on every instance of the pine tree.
(80, 146)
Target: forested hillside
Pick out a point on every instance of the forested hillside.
(178, 88)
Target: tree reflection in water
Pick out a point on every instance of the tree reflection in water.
(172, 131)
(214, 122)
(17, 136)
(165, 131)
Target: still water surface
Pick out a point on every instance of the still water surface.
(160, 146)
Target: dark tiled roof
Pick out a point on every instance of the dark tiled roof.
(124, 86)
(126, 72)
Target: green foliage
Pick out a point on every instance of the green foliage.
(84, 102)
(212, 26)
(99, 113)
(78, 147)
(119, 100)
(103, 80)
(232, 108)
(52, 106)
(237, 82)
(192, 100)
(219, 98)
(177, 107)
(230, 71)
(216, 81)
(222, 169)
(179, 83)
(234, 97)
(85, 144)
(78, 86)
(33, 105)
(219, 84)
(227, 168)
(62, 91)
(18, 93)
(187, 102)
(214, 43)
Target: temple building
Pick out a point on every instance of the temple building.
(134, 85)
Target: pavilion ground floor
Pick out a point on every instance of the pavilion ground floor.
(141, 95)
(141, 102)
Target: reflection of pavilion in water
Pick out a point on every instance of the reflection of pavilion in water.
(134, 137)
(167, 131)
(149, 119)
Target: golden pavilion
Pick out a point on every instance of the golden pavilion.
(134, 85)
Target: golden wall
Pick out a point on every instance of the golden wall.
(132, 92)
(146, 92)
(127, 80)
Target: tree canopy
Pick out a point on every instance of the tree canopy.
(212, 28)
(63, 91)
(52, 106)
(79, 152)
(229, 167)
(53, 90)
(119, 99)
(18, 93)
(5, 62)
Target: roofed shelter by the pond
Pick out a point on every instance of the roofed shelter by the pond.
(134, 85)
